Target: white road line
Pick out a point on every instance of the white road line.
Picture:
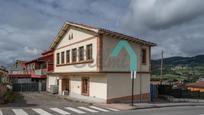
(60, 111)
(88, 109)
(1, 112)
(75, 110)
(19, 112)
(41, 112)
(100, 109)
(112, 109)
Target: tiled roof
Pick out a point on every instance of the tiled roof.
(96, 30)
(199, 84)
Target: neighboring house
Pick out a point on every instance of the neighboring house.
(18, 73)
(84, 67)
(197, 86)
(32, 71)
(3, 75)
(39, 67)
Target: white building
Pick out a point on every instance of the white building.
(83, 64)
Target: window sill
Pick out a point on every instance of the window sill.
(74, 63)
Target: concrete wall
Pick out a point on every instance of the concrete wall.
(80, 38)
(51, 80)
(22, 80)
(97, 86)
(121, 62)
(119, 84)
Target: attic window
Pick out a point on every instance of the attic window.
(71, 36)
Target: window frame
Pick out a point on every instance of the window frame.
(89, 52)
(74, 55)
(58, 58)
(68, 56)
(144, 56)
(81, 53)
(62, 57)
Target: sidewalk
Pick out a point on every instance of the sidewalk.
(123, 106)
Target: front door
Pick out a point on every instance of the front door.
(85, 86)
(65, 84)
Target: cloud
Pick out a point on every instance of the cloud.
(31, 51)
(175, 25)
(162, 14)
(27, 27)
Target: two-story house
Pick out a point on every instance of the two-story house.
(31, 75)
(83, 64)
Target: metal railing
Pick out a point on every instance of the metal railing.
(40, 72)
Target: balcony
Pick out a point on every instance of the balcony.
(40, 72)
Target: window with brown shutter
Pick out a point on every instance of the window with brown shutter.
(68, 56)
(62, 57)
(144, 56)
(81, 53)
(74, 55)
(58, 58)
(89, 52)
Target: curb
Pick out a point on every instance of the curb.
(154, 107)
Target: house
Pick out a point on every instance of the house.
(18, 73)
(3, 75)
(32, 75)
(197, 86)
(84, 67)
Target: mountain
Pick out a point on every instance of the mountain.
(191, 61)
(180, 68)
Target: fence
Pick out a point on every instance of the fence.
(179, 93)
(3, 89)
(154, 92)
(29, 87)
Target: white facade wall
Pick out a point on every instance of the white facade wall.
(51, 80)
(121, 62)
(97, 86)
(80, 38)
(119, 85)
(114, 83)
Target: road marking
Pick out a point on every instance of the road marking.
(1, 112)
(87, 109)
(41, 112)
(60, 111)
(19, 112)
(112, 109)
(75, 110)
(100, 109)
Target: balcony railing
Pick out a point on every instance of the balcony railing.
(40, 72)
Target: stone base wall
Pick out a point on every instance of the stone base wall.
(137, 98)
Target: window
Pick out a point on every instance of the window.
(74, 55)
(71, 36)
(68, 56)
(81, 53)
(58, 58)
(62, 57)
(144, 56)
(89, 52)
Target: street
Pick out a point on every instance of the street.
(187, 110)
(44, 104)
(35, 103)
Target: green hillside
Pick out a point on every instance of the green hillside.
(187, 69)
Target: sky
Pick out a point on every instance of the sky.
(27, 27)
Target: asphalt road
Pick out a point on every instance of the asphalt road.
(187, 110)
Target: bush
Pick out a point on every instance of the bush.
(9, 97)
